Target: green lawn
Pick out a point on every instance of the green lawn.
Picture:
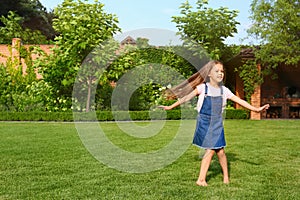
(48, 161)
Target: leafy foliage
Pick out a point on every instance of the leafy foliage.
(147, 84)
(79, 34)
(13, 29)
(251, 77)
(91, 70)
(82, 27)
(20, 90)
(84, 45)
(40, 115)
(207, 27)
(277, 26)
(34, 14)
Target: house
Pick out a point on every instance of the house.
(282, 93)
(128, 40)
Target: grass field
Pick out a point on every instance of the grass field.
(48, 161)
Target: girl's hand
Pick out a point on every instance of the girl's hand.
(165, 107)
(264, 107)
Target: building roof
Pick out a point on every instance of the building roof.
(128, 40)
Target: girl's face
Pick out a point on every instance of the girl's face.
(216, 74)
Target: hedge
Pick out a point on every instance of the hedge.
(113, 116)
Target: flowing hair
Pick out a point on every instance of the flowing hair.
(192, 82)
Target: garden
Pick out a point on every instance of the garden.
(51, 101)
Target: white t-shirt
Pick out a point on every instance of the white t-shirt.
(212, 91)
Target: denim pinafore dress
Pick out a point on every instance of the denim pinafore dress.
(209, 133)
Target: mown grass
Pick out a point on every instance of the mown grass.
(49, 161)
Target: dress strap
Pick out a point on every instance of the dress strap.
(221, 90)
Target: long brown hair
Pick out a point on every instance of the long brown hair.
(192, 82)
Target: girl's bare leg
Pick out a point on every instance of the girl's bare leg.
(204, 167)
(223, 162)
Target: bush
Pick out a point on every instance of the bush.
(237, 114)
(114, 116)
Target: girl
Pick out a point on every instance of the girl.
(209, 133)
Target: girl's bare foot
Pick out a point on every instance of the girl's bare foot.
(201, 183)
(226, 180)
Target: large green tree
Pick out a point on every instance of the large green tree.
(83, 27)
(276, 24)
(207, 27)
(34, 14)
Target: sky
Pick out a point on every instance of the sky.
(152, 19)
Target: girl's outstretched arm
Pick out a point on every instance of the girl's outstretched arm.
(247, 105)
(182, 100)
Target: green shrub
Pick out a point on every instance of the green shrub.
(237, 114)
(114, 116)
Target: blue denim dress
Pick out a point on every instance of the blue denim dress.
(209, 133)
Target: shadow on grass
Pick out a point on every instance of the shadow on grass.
(215, 168)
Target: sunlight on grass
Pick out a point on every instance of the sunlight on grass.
(49, 161)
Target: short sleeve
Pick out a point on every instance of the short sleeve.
(227, 93)
(201, 88)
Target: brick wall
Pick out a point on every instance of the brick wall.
(256, 101)
(5, 52)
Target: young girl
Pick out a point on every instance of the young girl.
(209, 133)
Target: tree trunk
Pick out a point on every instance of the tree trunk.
(88, 100)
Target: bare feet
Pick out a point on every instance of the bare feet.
(201, 183)
(226, 180)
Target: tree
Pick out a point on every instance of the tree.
(92, 70)
(207, 27)
(276, 25)
(25, 8)
(34, 14)
(142, 42)
(153, 68)
(82, 27)
(12, 29)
